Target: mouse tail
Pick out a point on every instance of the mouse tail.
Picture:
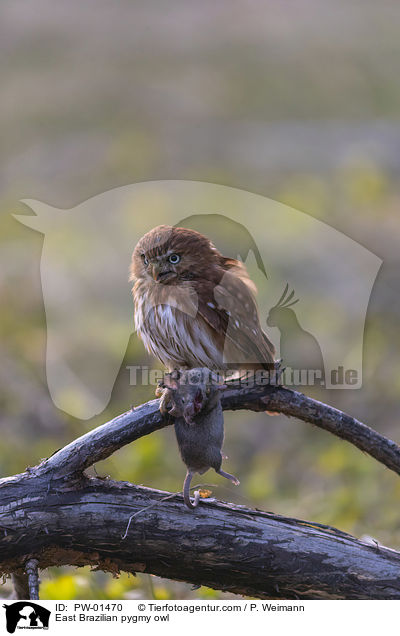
(231, 478)
(186, 491)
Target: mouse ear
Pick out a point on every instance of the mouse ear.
(170, 382)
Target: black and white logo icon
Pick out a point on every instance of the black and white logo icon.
(26, 615)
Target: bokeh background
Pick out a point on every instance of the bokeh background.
(299, 102)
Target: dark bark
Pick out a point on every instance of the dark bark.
(223, 546)
(57, 515)
(146, 418)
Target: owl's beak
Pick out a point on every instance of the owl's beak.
(160, 275)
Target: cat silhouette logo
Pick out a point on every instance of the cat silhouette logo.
(26, 615)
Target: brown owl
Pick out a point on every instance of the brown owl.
(193, 306)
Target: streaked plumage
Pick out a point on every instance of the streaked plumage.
(193, 306)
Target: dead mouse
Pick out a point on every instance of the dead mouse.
(199, 424)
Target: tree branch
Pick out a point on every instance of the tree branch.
(146, 418)
(46, 511)
(224, 546)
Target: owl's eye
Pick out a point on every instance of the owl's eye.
(174, 259)
(145, 259)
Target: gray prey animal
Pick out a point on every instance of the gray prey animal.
(199, 422)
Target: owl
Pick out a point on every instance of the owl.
(195, 307)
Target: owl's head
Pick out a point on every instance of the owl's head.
(169, 255)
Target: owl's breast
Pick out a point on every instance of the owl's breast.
(175, 337)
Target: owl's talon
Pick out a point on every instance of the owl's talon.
(165, 399)
(159, 389)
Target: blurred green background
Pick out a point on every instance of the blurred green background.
(299, 102)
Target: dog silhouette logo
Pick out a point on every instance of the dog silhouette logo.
(26, 615)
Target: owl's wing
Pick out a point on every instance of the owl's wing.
(230, 309)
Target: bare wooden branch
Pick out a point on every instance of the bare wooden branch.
(26, 581)
(228, 547)
(146, 418)
(31, 569)
(45, 514)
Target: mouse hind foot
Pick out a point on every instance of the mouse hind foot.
(231, 478)
(186, 492)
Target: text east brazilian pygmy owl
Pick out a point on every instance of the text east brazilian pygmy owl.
(193, 306)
